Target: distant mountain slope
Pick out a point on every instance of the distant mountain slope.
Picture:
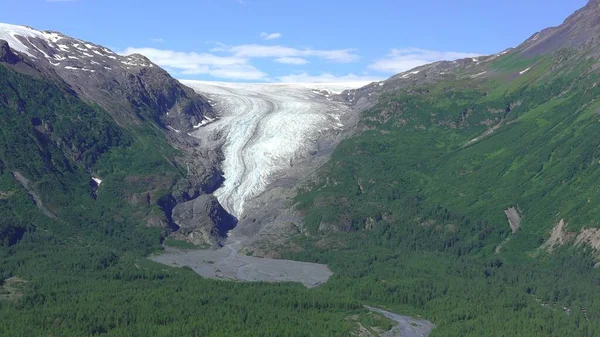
(128, 87)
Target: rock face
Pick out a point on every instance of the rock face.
(130, 88)
(6, 54)
(202, 221)
(514, 219)
(580, 30)
(560, 236)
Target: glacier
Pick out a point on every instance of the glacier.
(265, 128)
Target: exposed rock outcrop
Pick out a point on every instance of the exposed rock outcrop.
(560, 236)
(514, 219)
(202, 221)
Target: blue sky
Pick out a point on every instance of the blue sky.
(291, 41)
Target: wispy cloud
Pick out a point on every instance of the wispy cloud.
(271, 36)
(158, 40)
(399, 60)
(326, 78)
(229, 67)
(291, 60)
(264, 51)
(61, 0)
(242, 2)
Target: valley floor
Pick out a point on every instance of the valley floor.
(227, 263)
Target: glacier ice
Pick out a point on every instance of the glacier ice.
(266, 127)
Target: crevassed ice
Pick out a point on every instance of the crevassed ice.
(266, 126)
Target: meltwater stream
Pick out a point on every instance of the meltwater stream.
(266, 127)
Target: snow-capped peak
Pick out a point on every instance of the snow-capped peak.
(64, 52)
(10, 32)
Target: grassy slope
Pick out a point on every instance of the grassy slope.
(425, 206)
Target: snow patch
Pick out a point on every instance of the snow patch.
(52, 36)
(409, 74)
(97, 180)
(10, 33)
(82, 69)
(477, 75)
(524, 71)
(205, 121)
(76, 45)
(129, 63)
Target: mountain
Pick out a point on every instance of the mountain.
(513, 130)
(469, 179)
(466, 195)
(112, 119)
(130, 87)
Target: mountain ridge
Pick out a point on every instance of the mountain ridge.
(129, 87)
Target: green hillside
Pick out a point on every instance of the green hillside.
(412, 209)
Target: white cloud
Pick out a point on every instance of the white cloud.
(291, 60)
(158, 39)
(271, 36)
(326, 78)
(238, 72)
(399, 60)
(257, 51)
(236, 68)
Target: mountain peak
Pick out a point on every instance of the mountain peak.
(115, 82)
(579, 30)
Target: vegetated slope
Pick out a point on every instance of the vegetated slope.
(413, 208)
(52, 146)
